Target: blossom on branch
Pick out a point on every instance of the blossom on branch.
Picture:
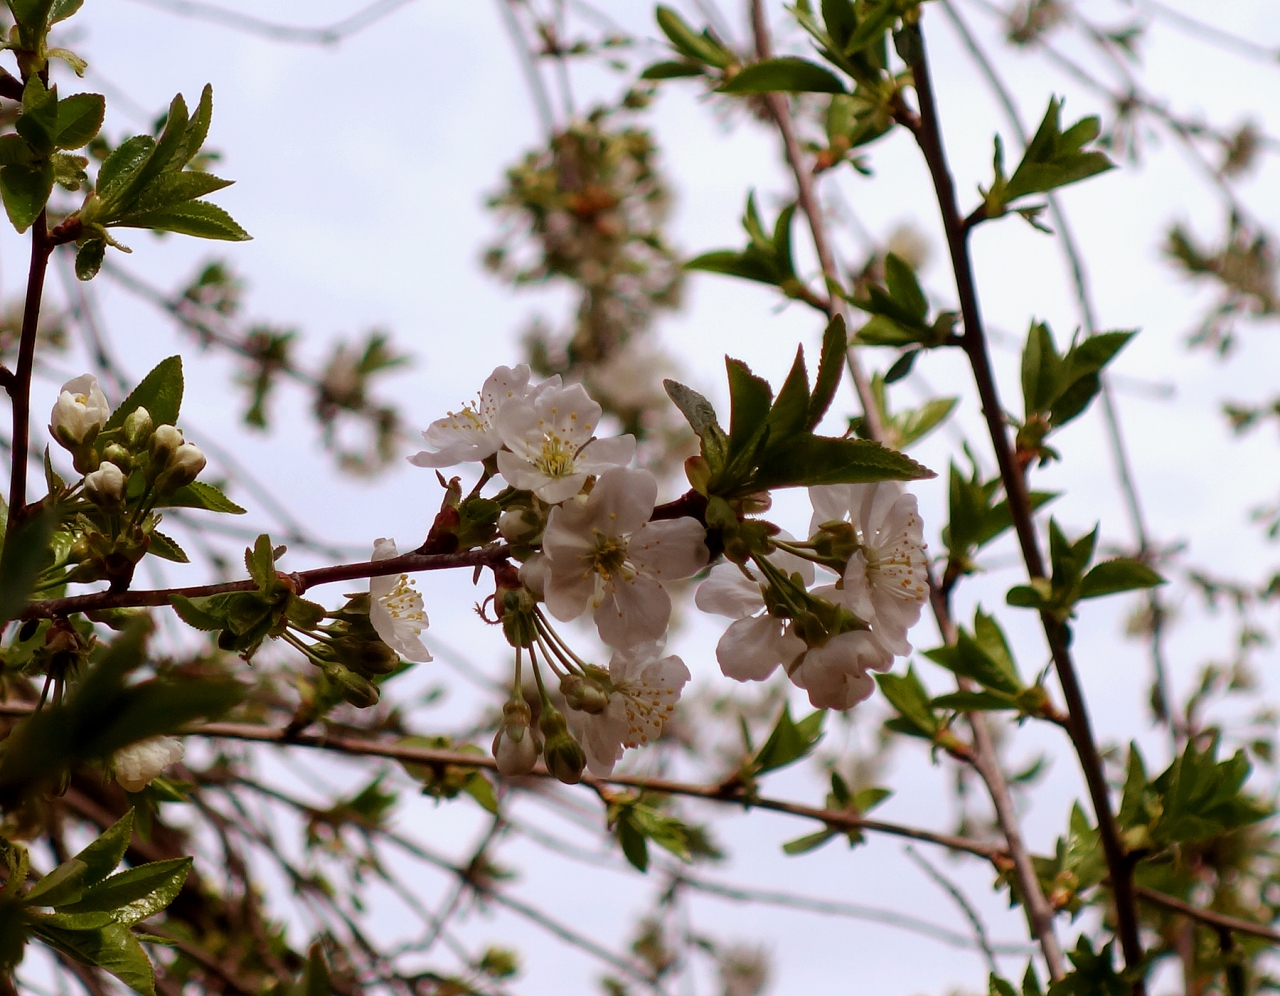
(139, 763)
(604, 552)
(79, 413)
(835, 672)
(642, 689)
(471, 435)
(550, 449)
(396, 609)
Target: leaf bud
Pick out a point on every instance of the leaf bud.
(137, 427)
(584, 694)
(698, 471)
(184, 466)
(564, 755)
(515, 745)
(105, 486)
(118, 455)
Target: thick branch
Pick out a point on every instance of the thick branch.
(301, 581)
(929, 137)
(781, 114)
(20, 388)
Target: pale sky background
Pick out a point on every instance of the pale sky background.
(361, 171)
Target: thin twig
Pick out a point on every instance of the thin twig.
(328, 35)
(966, 907)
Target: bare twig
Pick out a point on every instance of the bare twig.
(966, 907)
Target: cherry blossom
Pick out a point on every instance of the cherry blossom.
(550, 447)
(138, 764)
(470, 435)
(642, 690)
(396, 608)
(105, 485)
(604, 552)
(886, 581)
(755, 642)
(80, 411)
(835, 673)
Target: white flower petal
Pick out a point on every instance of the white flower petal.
(622, 500)
(752, 648)
(669, 549)
(633, 612)
(729, 592)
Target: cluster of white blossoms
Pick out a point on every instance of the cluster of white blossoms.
(582, 523)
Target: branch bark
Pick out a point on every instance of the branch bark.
(929, 137)
(20, 387)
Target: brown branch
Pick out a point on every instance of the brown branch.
(1210, 918)
(929, 137)
(781, 114)
(207, 961)
(301, 581)
(20, 391)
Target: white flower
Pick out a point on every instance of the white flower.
(106, 484)
(183, 466)
(550, 448)
(470, 435)
(604, 552)
(643, 689)
(756, 642)
(80, 411)
(395, 608)
(886, 580)
(835, 674)
(137, 764)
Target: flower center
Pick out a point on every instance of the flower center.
(80, 399)
(647, 707)
(555, 458)
(610, 556)
(404, 604)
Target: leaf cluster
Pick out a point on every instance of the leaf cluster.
(977, 518)
(984, 656)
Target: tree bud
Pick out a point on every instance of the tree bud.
(520, 526)
(79, 413)
(184, 466)
(564, 755)
(105, 485)
(118, 455)
(368, 656)
(515, 745)
(358, 690)
(584, 694)
(137, 427)
(164, 443)
(836, 541)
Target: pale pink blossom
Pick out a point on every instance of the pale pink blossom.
(470, 434)
(396, 608)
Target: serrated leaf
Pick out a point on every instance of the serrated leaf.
(167, 548)
(786, 74)
(159, 392)
(831, 363)
(198, 494)
(25, 190)
(101, 856)
(814, 460)
(112, 948)
(1113, 576)
(121, 166)
(697, 410)
(62, 886)
(195, 612)
(907, 694)
(169, 190)
(137, 893)
(79, 119)
(904, 288)
(89, 256)
(197, 218)
(788, 742)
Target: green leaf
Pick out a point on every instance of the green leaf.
(112, 948)
(790, 410)
(14, 150)
(79, 120)
(167, 548)
(745, 265)
(102, 855)
(974, 701)
(198, 218)
(1055, 159)
(481, 789)
(121, 166)
(25, 190)
(786, 74)
(137, 893)
(198, 126)
(195, 612)
(62, 9)
(904, 288)
(907, 694)
(169, 190)
(1113, 576)
(835, 342)
(261, 562)
(1041, 370)
(814, 460)
(808, 843)
(63, 885)
(632, 839)
(688, 42)
(315, 979)
(672, 70)
(89, 256)
(788, 742)
(197, 494)
(696, 409)
(160, 393)
(750, 398)
(26, 550)
(38, 122)
(968, 659)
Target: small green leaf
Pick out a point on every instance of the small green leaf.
(632, 839)
(974, 701)
(803, 845)
(89, 256)
(1113, 576)
(907, 694)
(672, 70)
(167, 548)
(835, 342)
(102, 855)
(198, 494)
(112, 948)
(62, 886)
(786, 74)
(481, 790)
(904, 288)
(25, 190)
(688, 42)
(814, 460)
(160, 393)
(79, 119)
(788, 742)
(26, 551)
(198, 218)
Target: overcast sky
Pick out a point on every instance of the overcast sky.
(361, 172)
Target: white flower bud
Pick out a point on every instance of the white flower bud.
(519, 525)
(105, 485)
(138, 426)
(164, 441)
(79, 413)
(139, 763)
(515, 745)
(184, 467)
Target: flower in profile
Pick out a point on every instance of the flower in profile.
(470, 435)
(835, 672)
(396, 608)
(139, 763)
(79, 413)
(604, 552)
(642, 689)
(887, 578)
(756, 642)
(550, 447)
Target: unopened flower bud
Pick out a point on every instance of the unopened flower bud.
(79, 413)
(368, 655)
(584, 694)
(835, 540)
(139, 763)
(105, 485)
(118, 455)
(164, 443)
(520, 526)
(515, 745)
(564, 755)
(137, 427)
(184, 466)
(358, 690)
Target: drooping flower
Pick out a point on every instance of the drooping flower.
(471, 435)
(755, 642)
(396, 608)
(835, 673)
(886, 580)
(139, 763)
(642, 690)
(550, 447)
(604, 552)
(80, 412)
